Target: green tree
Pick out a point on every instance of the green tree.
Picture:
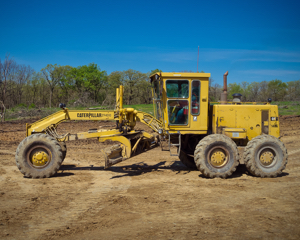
(86, 78)
(144, 91)
(131, 79)
(154, 71)
(234, 88)
(114, 81)
(66, 82)
(277, 89)
(95, 79)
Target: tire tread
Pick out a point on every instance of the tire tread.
(249, 156)
(200, 157)
(31, 172)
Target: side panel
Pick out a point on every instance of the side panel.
(255, 119)
(249, 117)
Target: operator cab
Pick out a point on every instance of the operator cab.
(181, 100)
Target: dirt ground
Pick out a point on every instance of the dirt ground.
(150, 196)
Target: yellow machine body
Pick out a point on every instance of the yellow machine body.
(236, 120)
(245, 121)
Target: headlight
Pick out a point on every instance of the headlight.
(160, 131)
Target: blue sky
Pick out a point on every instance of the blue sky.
(253, 40)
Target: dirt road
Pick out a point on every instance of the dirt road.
(150, 196)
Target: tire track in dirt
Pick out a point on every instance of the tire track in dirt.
(8, 152)
(293, 152)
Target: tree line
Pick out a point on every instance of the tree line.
(88, 85)
(84, 85)
(276, 89)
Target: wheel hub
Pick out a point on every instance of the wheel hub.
(40, 158)
(266, 158)
(218, 158)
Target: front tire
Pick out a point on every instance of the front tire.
(265, 156)
(216, 155)
(39, 156)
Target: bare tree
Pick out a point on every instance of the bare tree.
(5, 75)
(215, 91)
(293, 90)
(53, 74)
(2, 114)
(23, 74)
(254, 90)
(264, 91)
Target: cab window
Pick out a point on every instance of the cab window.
(178, 112)
(177, 88)
(195, 108)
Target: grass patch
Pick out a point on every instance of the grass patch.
(288, 107)
(25, 112)
(148, 108)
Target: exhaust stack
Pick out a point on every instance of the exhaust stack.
(224, 93)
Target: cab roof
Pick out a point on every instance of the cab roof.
(181, 75)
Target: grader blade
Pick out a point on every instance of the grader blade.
(113, 155)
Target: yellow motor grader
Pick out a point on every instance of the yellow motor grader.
(207, 136)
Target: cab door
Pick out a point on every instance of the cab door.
(177, 102)
(157, 98)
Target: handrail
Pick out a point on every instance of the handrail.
(149, 120)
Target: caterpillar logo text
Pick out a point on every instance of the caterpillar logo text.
(93, 115)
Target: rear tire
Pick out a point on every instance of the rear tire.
(265, 156)
(39, 156)
(216, 155)
(187, 160)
